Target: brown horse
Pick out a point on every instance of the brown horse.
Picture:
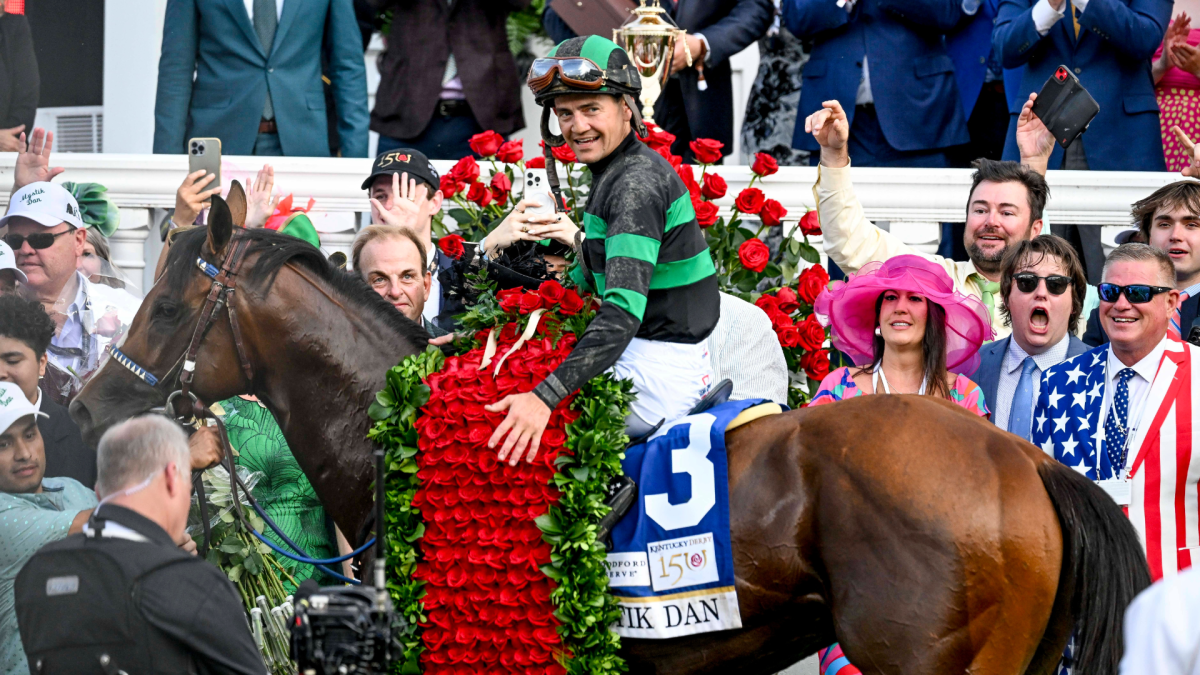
(921, 537)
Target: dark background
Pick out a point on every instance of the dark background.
(68, 38)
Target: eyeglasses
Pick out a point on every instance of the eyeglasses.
(1027, 282)
(573, 70)
(1136, 293)
(37, 240)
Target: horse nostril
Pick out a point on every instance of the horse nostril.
(82, 416)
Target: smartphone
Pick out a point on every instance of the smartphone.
(205, 153)
(537, 189)
(1065, 107)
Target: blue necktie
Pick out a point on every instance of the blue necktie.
(1116, 425)
(1020, 416)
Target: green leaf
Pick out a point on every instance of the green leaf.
(416, 534)
(809, 254)
(232, 545)
(379, 412)
(461, 217)
(581, 474)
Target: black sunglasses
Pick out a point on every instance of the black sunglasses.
(37, 240)
(1027, 282)
(1135, 293)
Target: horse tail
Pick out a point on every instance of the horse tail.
(1103, 569)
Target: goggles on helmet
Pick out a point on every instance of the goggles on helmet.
(574, 71)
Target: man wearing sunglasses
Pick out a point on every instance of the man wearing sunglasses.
(1042, 285)
(47, 235)
(1122, 413)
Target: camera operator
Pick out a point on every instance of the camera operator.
(130, 582)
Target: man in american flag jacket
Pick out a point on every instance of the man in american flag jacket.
(1122, 413)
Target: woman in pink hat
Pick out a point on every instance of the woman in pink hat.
(908, 332)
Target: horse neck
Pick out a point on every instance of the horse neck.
(324, 358)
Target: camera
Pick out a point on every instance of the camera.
(197, 147)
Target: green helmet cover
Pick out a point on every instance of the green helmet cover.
(620, 77)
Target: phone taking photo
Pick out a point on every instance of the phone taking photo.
(1065, 107)
(537, 191)
(205, 153)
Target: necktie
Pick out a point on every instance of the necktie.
(1175, 330)
(265, 21)
(1020, 416)
(1116, 426)
(1075, 20)
(987, 292)
(451, 71)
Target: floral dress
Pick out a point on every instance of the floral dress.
(839, 385)
(283, 490)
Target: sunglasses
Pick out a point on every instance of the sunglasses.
(1136, 293)
(37, 241)
(573, 70)
(1027, 282)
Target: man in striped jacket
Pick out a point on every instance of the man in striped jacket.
(1124, 414)
(644, 254)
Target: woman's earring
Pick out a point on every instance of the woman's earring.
(877, 331)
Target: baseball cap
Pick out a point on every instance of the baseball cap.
(9, 262)
(404, 160)
(46, 203)
(14, 405)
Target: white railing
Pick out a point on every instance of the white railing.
(913, 200)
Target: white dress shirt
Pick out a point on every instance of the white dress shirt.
(1139, 389)
(743, 348)
(278, 9)
(1045, 16)
(1010, 376)
(1162, 628)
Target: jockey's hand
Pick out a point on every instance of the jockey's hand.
(1034, 140)
(205, 447)
(831, 129)
(526, 420)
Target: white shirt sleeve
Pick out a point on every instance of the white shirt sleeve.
(1161, 627)
(1045, 16)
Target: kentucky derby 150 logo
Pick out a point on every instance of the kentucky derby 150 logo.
(394, 158)
(683, 562)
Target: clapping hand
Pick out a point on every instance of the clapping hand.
(1034, 140)
(1192, 170)
(831, 128)
(33, 162)
(261, 199)
(408, 205)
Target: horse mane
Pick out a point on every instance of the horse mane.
(274, 250)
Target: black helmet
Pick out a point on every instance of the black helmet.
(611, 71)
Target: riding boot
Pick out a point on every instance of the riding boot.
(622, 493)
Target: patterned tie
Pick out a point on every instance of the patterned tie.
(1175, 330)
(987, 292)
(1116, 426)
(1020, 416)
(265, 21)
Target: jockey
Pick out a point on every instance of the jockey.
(641, 251)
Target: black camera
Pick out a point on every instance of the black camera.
(343, 630)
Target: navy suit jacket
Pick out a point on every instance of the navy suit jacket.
(1111, 58)
(991, 358)
(969, 46)
(213, 77)
(912, 75)
(1095, 336)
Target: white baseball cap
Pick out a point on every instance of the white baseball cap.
(14, 405)
(8, 261)
(46, 203)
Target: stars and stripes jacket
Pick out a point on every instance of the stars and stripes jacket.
(1165, 501)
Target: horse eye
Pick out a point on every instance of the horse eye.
(165, 310)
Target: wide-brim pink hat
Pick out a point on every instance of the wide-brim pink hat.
(849, 307)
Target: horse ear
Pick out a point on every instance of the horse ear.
(220, 226)
(237, 204)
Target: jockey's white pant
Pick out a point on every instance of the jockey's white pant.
(669, 378)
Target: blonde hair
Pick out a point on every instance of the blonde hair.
(372, 232)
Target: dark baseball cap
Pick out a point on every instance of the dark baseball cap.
(404, 160)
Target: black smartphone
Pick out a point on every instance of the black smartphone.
(1065, 107)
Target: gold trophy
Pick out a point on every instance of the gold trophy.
(649, 39)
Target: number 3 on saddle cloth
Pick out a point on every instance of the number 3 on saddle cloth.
(671, 564)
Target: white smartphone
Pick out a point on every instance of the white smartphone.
(537, 190)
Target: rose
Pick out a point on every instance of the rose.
(501, 181)
(480, 194)
(486, 144)
(812, 334)
(811, 282)
(706, 213)
(658, 138)
(750, 201)
(538, 162)
(563, 153)
(754, 255)
(779, 320)
(772, 213)
(511, 152)
(665, 151)
(552, 292)
(786, 298)
(815, 364)
(706, 150)
(571, 303)
(530, 301)
(714, 186)
(789, 336)
(764, 165)
(466, 170)
(449, 186)
(768, 303)
(810, 223)
(452, 245)
(510, 299)
(499, 196)
(684, 171)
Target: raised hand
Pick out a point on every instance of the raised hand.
(261, 199)
(407, 208)
(1034, 140)
(831, 128)
(191, 198)
(33, 162)
(1193, 168)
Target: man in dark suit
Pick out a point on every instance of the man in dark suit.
(1169, 220)
(689, 107)
(885, 61)
(1043, 287)
(249, 72)
(446, 73)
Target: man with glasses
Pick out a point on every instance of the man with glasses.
(1121, 414)
(47, 235)
(1043, 286)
